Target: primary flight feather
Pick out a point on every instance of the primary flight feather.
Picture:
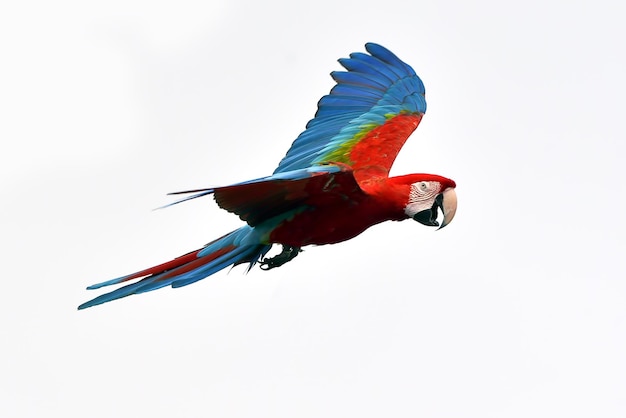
(332, 184)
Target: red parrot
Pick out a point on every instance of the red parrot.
(332, 185)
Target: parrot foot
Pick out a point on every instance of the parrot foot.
(287, 254)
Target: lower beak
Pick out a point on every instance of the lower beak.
(445, 201)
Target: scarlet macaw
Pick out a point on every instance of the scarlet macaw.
(332, 185)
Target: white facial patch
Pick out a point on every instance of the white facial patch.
(421, 197)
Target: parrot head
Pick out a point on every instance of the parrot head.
(429, 195)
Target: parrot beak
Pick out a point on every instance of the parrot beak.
(445, 201)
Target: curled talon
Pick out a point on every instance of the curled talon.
(287, 254)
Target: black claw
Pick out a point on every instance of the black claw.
(287, 254)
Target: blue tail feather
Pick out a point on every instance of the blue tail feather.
(238, 247)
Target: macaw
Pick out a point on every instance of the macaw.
(332, 184)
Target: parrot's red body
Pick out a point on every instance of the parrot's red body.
(332, 185)
(334, 217)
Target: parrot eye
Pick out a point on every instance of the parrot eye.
(423, 191)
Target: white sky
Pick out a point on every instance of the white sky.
(517, 309)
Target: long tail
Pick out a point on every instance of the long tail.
(235, 248)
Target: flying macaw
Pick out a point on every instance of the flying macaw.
(332, 185)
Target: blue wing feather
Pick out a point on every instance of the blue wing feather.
(374, 65)
(350, 90)
(358, 66)
(357, 79)
(390, 58)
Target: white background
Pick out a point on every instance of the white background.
(517, 309)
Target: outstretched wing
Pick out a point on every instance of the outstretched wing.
(366, 118)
